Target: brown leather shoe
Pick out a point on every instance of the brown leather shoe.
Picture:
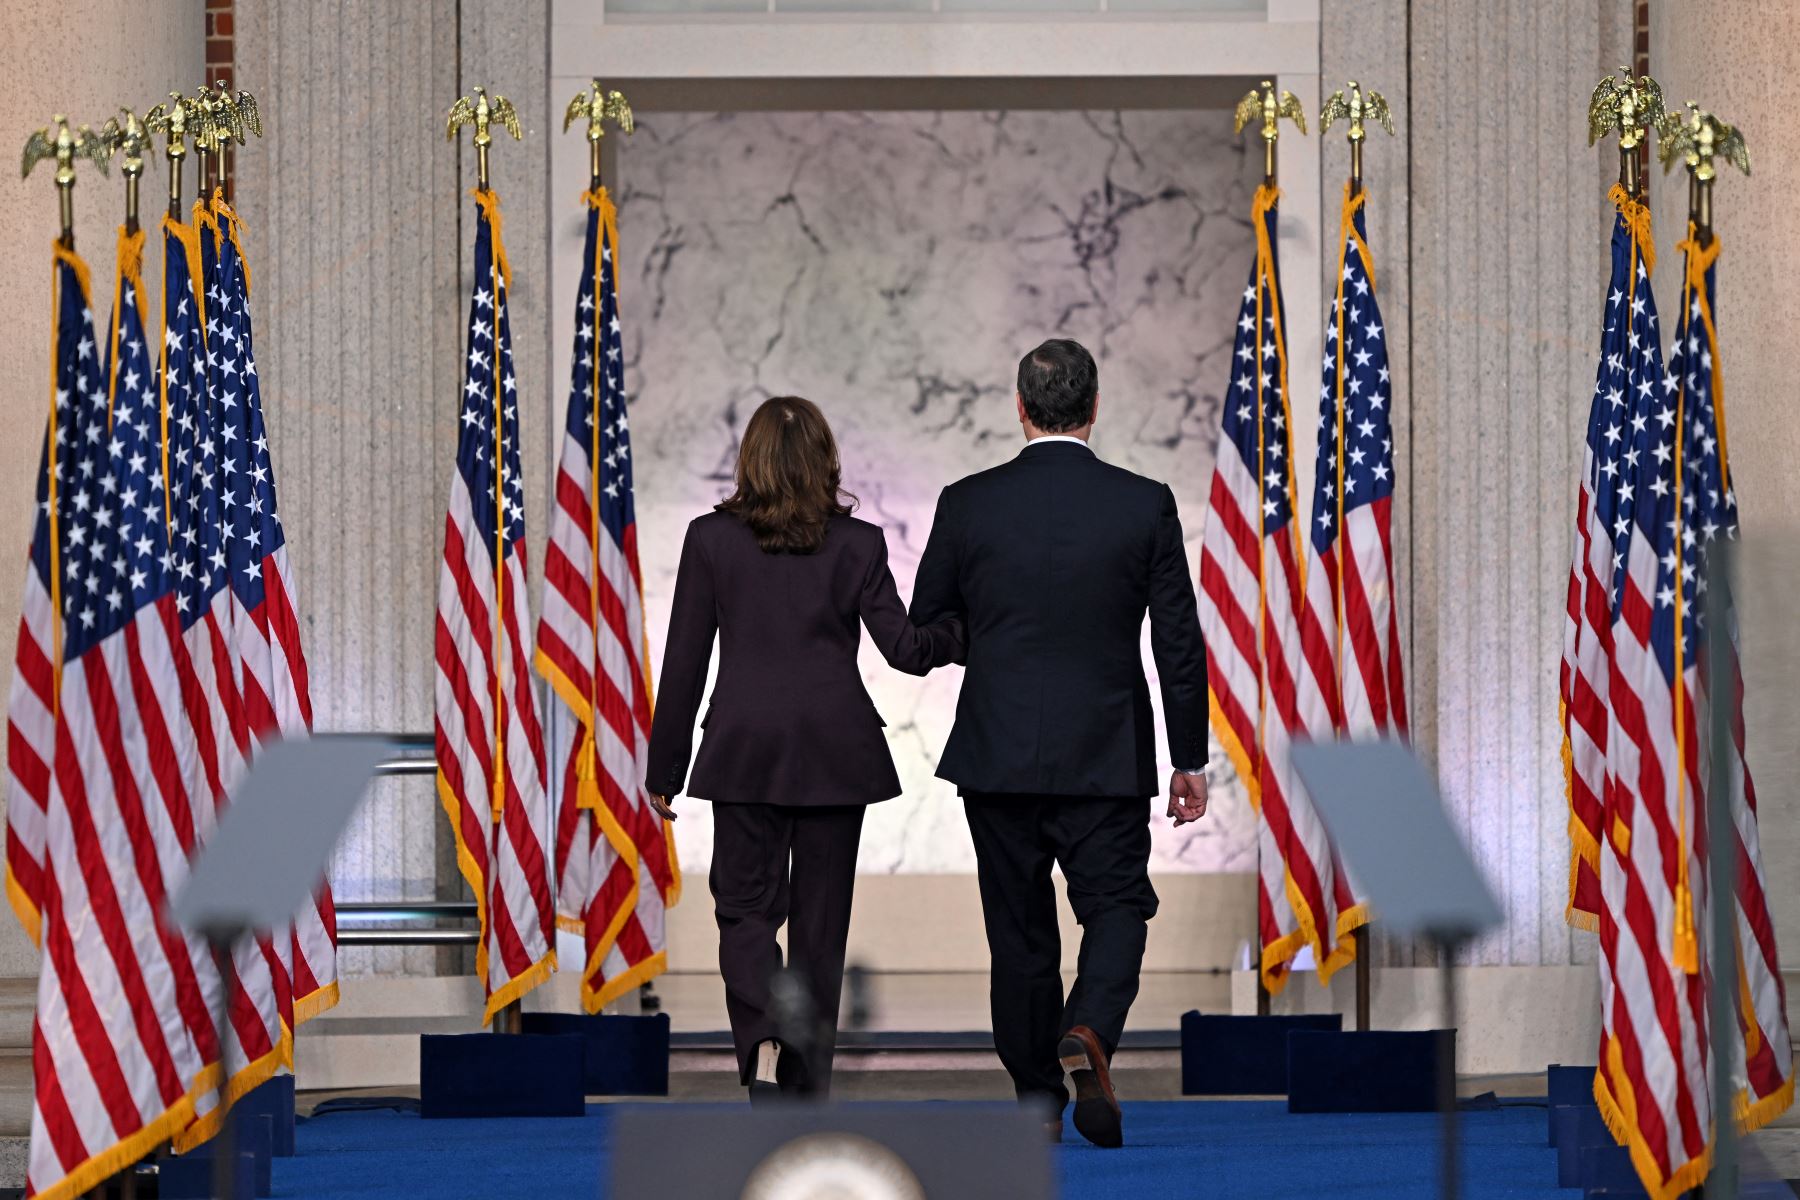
(1097, 1115)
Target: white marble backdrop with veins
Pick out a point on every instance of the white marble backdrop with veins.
(892, 267)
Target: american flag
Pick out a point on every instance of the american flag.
(1351, 531)
(259, 1039)
(1652, 1082)
(122, 1037)
(271, 666)
(1673, 501)
(1268, 658)
(490, 748)
(1587, 629)
(1709, 506)
(615, 858)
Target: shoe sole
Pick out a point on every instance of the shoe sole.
(1096, 1118)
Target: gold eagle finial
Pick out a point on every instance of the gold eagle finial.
(126, 134)
(65, 147)
(1630, 105)
(1264, 101)
(1359, 106)
(481, 111)
(599, 106)
(233, 116)
(1699, 140)
(177, 119)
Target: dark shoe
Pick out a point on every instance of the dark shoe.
(765, 1072)
(1097, 1115)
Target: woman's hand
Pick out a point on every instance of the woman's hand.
(662, 805)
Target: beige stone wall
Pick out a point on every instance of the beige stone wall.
(83, 58)
(1741, 59)
(1488, 220)
(360, 228)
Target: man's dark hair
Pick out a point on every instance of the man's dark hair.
(1058, 383)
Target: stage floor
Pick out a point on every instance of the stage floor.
(1224, 1150)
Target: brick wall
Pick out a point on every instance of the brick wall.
(219, 54)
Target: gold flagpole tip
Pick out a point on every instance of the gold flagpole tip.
(599, 106)
(481, 111)
(1272, 108)
(1699, 140)
(1357, 106)
(177, 118)
(233, 115)
(1626, 105)
(126, 135)
(65, 146)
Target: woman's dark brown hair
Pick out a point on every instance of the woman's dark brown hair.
(787, 477)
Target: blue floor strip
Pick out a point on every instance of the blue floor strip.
(1222, 1150)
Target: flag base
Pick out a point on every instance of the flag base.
(274, 1099)
(1242, 1056)
(1607, 1171)
(500, 1075)
(1568, 1089)
(626, 1056)
(1578, 1129)
(194, 1175)
(1379, 1071)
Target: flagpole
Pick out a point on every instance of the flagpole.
(1359, 107)
(481, 111)
(64, 148)
(173, 120)
(1264, 103)
(1699, 141)
(598, 106)
(127, 135)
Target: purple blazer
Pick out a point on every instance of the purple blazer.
(789, 721)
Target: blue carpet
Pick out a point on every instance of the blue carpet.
(1223, 1150)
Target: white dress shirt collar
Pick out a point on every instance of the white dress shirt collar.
(1056, 437)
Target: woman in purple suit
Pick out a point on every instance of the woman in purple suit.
(793, 749)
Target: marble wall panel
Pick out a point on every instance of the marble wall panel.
(893, 267)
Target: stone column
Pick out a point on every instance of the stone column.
(354, 215)
(1488, 222)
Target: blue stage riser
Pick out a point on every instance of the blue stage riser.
(501, 1075)
(625, 1056)
(1377, 1071)
(1580, 1131)
(190, 1177)
(273, 1098)
(1242, 1056)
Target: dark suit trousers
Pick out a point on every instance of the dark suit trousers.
(775, 864)
(1103, 846)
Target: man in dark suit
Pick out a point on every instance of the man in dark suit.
(1052, 561)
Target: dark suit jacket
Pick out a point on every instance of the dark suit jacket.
(1052, 560)
(789, 721)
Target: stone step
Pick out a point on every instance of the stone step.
(18, 1005)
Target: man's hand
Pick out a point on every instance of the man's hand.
(1187, 798)
(663, 806)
